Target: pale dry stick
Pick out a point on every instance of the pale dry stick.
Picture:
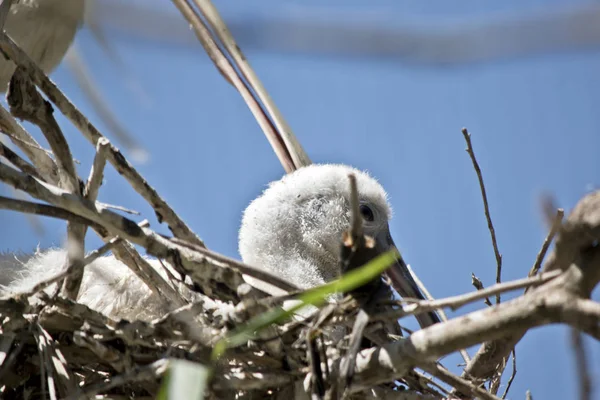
(496, 380)
(210, 12)
(242, 380)
(455, 302)
(201, 267)
(28, 207)
(512, 375)
(528, 395)
(92, 186)
(476, 282)
(163, 211)
(457, 382)
(556, 223)
(44, 377)
(18, 162)
(39, 156)
(581, 366)
(54, 362)
(229, 73)
(486, 208)
(26, 103)
(429, 297)
(107, 354)
(119, 208)
(240, 266)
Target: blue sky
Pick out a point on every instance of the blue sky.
(534, 122)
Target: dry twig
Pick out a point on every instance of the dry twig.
(486, 208)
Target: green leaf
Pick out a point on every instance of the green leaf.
(316, 296)
(184, 380)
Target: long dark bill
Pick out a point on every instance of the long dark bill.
(403, 282)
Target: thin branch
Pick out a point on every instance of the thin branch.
(486, 209)
(512, 375)
(54, 363)
(455, 302)
(581, 366)
(18, 162)
(27, 104)
(556, 223)
(457, 382)
(94, 181)
(243, 268)
(39, 156)
(28, 207)
(476, 282)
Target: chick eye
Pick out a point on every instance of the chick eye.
(367, 213)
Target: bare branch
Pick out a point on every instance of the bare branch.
(486, 209)
(455, 302)
(581, 366)
(512, 375)
(29, 207)
(32, 149)
(457, 382)
(18, 162)
(55, 364)
(476, 282)
(94, 181)
(547, 241)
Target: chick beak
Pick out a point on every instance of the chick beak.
(401, 279)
